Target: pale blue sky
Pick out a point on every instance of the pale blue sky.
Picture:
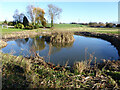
(72, 11)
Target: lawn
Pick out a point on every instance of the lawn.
(76, 27)
(9, 30)
(64, 28)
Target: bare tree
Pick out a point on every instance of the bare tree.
(18, 18)
(30, 13)
(21, 16)
(54, 12)
(16, 15)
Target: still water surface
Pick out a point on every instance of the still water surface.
(77, 50)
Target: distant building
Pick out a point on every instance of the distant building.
(119, 12)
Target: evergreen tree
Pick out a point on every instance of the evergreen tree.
(25, 21)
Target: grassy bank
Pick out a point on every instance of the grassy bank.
(19, 72)
(64, 28)
(75, 27)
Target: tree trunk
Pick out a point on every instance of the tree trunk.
(52, 21)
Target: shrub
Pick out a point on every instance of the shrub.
(73, 23)
(11, 23)
(102, 25)
(19, 25)
(118, 25)
(36, 26)
(109, 25)
(94, 24)
(5, 22)
(29, 27)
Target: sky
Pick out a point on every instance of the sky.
(71, 11)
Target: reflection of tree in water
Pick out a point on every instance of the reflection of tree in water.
(38, 44)
(53, 50)
(34, 44)
(58, 41)
(26, 39)
(55, 42)
(21, 42)
(62, 45)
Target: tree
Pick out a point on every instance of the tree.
(54, 12)
(18, 18)
(21, 16)
(44, 22)
(93, 24)
(38, 16)
(109, 25)
(16, 15)
(5, 22)
(30, 12)
(25, 21)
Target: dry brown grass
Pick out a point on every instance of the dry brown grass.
(80, 66)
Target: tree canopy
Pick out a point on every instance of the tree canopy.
(38, 14)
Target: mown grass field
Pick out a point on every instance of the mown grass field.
(76, 27)
(65, 28)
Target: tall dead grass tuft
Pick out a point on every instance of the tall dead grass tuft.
(80, 66)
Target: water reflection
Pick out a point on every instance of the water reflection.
(59, 48)
(38, 43)
(21, 42)
(58, 41)
(55, 43)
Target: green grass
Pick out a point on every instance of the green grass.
(1, 22)
(64, 28)
(9, 30)
(77, 27)
(67, 25)
(112, 32)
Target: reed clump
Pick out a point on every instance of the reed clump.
(80, 66)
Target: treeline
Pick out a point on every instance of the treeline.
(100, 24)
(34, 17)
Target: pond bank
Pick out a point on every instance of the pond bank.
(2, 44)
(19, 72)
(23, 34)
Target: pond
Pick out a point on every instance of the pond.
(78, 48)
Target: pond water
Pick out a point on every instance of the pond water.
(77, 50)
